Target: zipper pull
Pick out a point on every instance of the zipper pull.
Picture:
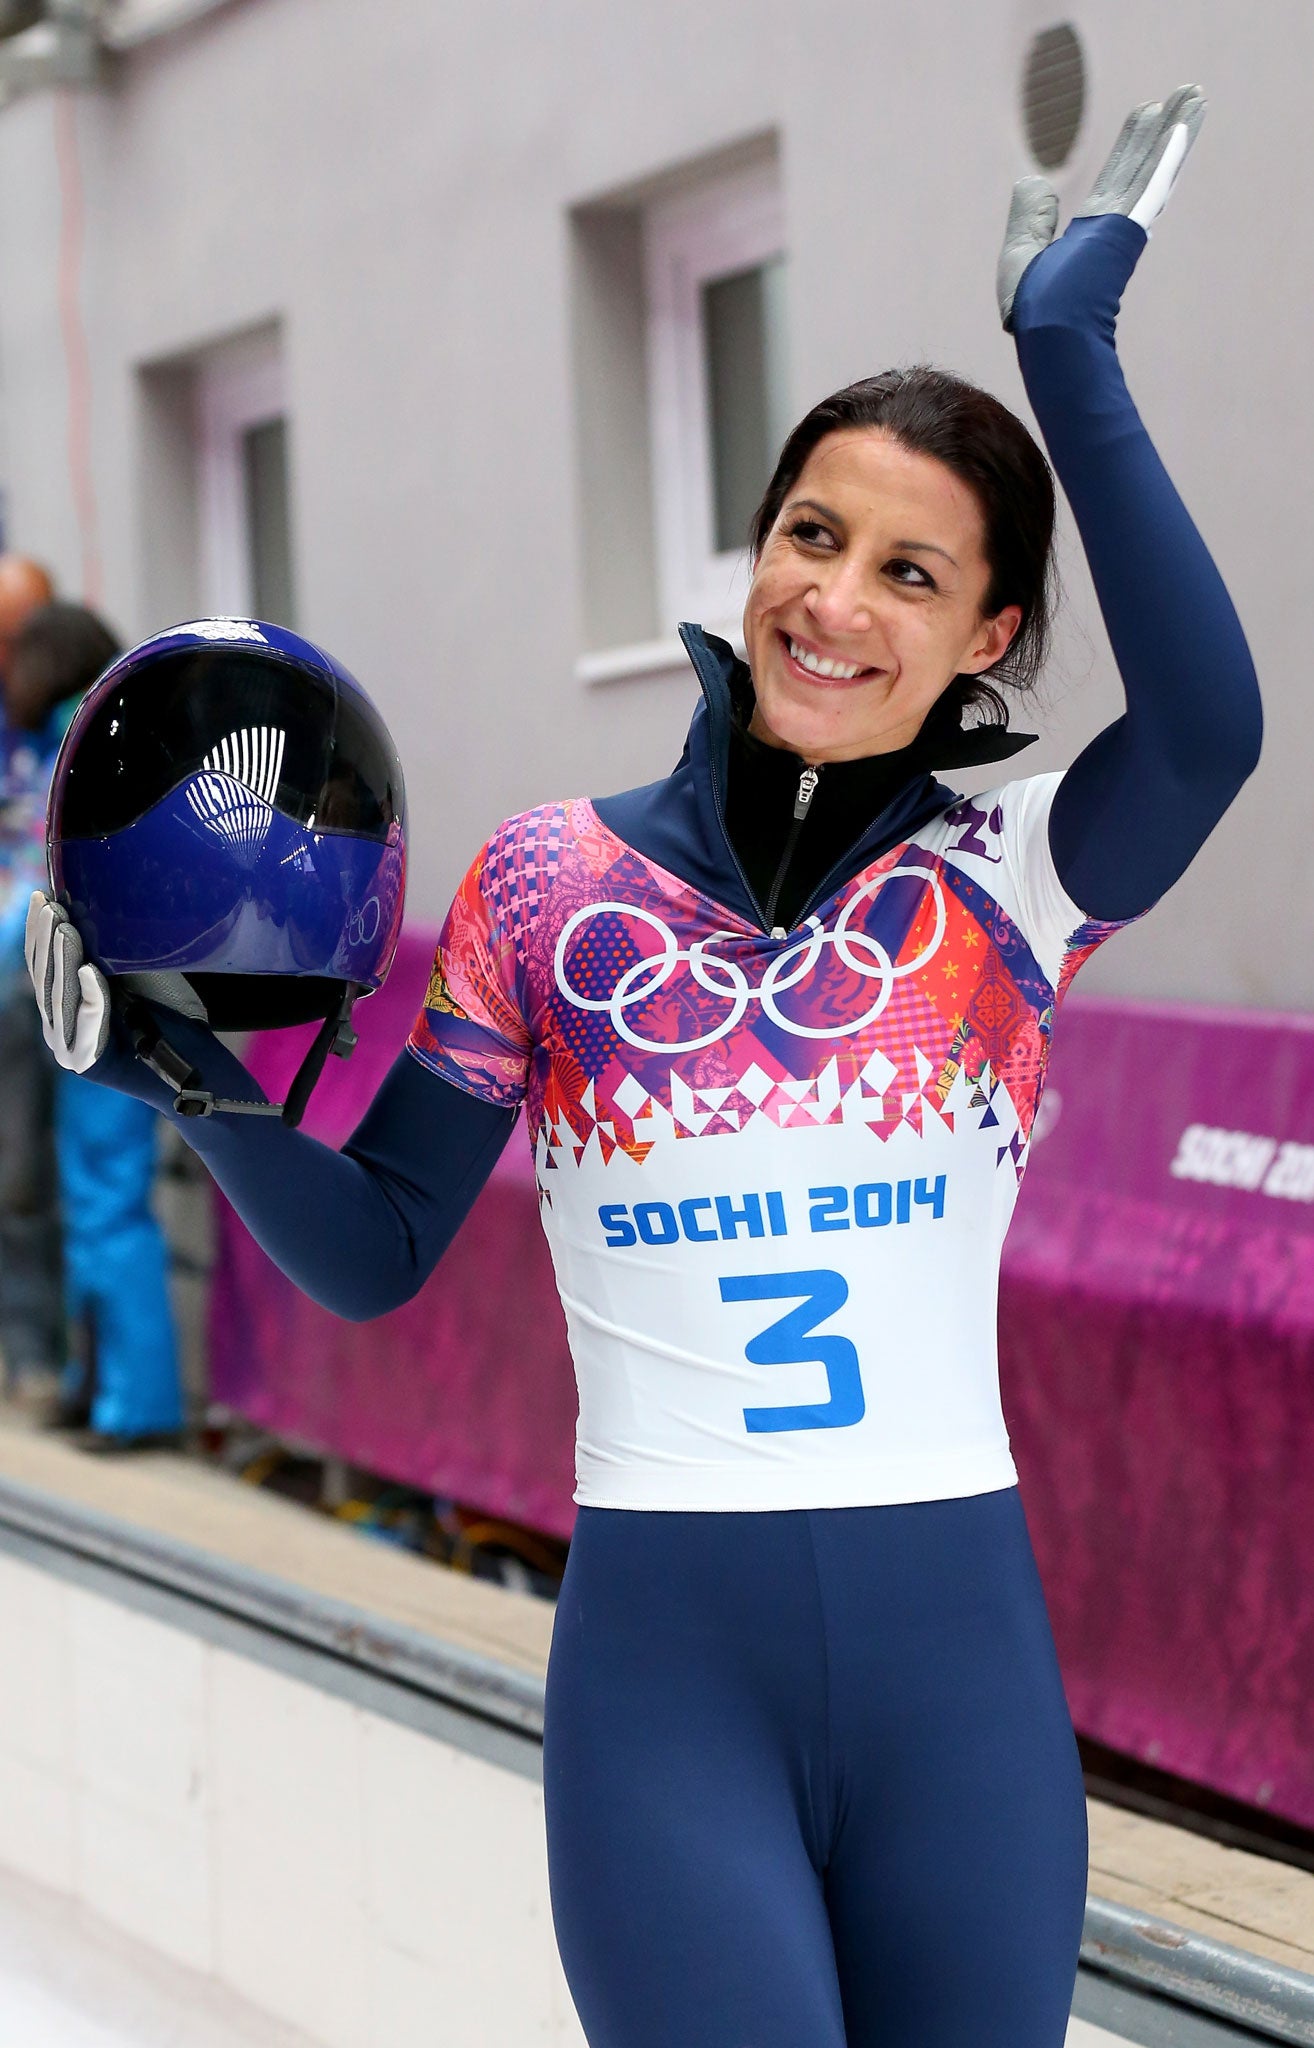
(807, 789)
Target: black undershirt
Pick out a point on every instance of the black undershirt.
(761, 796)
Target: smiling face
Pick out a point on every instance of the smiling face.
(867, 599)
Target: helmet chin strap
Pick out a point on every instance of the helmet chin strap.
(336, 1036)
(192, 1098)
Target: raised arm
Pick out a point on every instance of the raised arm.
(1139, 801)
(358, 1230)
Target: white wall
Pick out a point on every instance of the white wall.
(393, 181)
(355, 1879)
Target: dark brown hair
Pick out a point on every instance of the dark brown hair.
(57, 653)
(979, 439)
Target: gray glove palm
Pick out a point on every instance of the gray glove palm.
(1135, 181)
(72, 995)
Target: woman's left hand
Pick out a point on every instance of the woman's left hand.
(1135, 181)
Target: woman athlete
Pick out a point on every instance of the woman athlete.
(780, 1024)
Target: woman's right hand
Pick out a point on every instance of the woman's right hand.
(72, 995)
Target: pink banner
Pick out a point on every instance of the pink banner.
(1157, 1345)
(1157, 1342)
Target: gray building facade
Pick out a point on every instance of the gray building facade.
(379, 282)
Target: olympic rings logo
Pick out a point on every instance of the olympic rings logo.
(363, 924)
(726, 981)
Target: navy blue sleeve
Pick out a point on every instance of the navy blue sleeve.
(358, 1230)
(1139, 802)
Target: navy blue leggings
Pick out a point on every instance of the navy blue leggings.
(811, 1781)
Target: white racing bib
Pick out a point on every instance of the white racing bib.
(775, 1174)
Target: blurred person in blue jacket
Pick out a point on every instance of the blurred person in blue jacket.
(115, 1258)
(31, 1308)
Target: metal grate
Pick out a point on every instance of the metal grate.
(1053, 94)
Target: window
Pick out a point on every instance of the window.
(246, 533)
(714, 271)
(268, 534)
(681, 401)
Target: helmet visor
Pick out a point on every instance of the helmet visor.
(317, 752)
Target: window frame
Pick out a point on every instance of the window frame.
(732, 223)
(239, 386)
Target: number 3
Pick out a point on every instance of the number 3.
(792, 1341)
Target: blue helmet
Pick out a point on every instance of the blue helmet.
(227, 827)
